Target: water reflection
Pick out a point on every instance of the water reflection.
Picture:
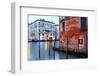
(44, 51)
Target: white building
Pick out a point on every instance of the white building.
(42, 30)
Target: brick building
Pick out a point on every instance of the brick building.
(73, 33)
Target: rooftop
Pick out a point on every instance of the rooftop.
(41, 20)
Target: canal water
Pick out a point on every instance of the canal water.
(44, 51)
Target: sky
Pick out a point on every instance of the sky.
(32, 18)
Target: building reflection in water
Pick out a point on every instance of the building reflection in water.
(46, 53)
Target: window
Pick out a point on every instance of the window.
(84, 22)
(80, 41)
(63, 26)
